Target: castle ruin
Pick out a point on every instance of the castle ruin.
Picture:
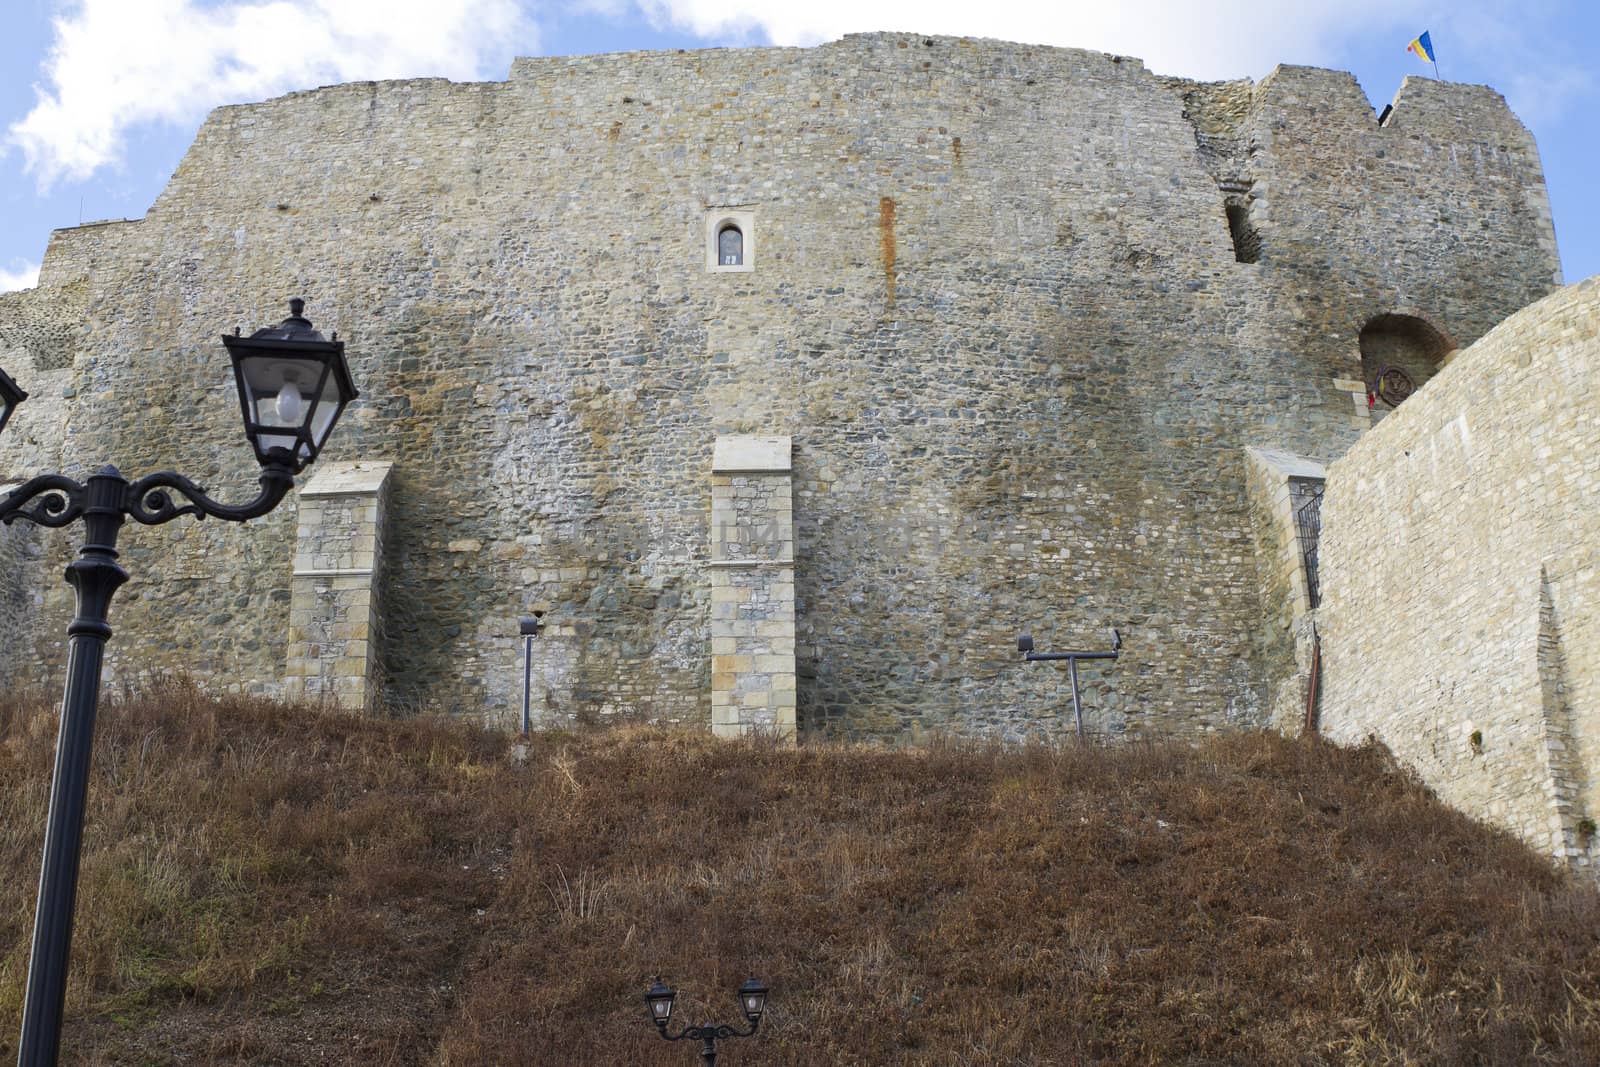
(793, 383)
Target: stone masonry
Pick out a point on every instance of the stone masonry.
(19, 596)
(1461, 556)
(1280, 486)
(752, 587)
(1020, 311)
(335, 619)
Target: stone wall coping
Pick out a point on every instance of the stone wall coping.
(751, 454)
(359, 478)
(1288, 464)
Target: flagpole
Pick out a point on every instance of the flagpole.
(1422, 45)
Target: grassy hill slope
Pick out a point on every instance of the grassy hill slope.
(264, 884)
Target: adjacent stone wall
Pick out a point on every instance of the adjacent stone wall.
(1280, 484)
(752, 587)
(1461, 558)
(37, 342)
(335, 619)
(996, 306)
(19, 555)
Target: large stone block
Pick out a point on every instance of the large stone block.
(336, 621)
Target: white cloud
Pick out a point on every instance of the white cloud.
(1528, 49)
(1200, 38)
(1548, 69)
(14, 277)
(118, 63)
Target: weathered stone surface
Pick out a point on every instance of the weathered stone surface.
(996, 306)
(1461, 555)
(749, 453)
(751, 568)
(1281, 485)
(335, 620)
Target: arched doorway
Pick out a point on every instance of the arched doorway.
(1398, 354)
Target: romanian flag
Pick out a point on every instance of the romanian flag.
(1423, 47)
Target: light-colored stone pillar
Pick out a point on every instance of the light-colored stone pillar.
(334, 621)
(1278, 484)
(752, 587)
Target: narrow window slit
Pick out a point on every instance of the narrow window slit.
(1246, 239)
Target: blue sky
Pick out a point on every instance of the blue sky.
(100, 98)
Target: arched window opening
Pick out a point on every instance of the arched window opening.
(1398, 354)
(730, 246)
(730, 240)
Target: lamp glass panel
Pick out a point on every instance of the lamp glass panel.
(327, 409)
(753, 997)
(279, 394)
(661, 998)
(10, 396)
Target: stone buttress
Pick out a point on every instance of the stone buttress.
(334, 618)
(752, 587)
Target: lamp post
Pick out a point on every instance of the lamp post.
(293, 384)
(752, 999)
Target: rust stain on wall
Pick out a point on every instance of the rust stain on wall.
(886, 235)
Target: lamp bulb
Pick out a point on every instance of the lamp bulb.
(289, 404)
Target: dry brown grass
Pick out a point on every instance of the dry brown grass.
(265, 884)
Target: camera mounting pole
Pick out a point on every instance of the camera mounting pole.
(529, 625)
(1025, 646)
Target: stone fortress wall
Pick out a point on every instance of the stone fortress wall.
(38, 331)
(1020, 311)
(1461, 545)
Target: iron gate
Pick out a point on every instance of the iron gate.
(1307, 498)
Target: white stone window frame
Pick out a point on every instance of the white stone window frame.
(717, 219)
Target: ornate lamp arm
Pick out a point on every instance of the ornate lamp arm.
(56, 500)
(150, 503)
(707, 1035)
(700, 1033)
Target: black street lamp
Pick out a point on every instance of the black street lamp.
(752, 999)
(293, 384)
(10, 396)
